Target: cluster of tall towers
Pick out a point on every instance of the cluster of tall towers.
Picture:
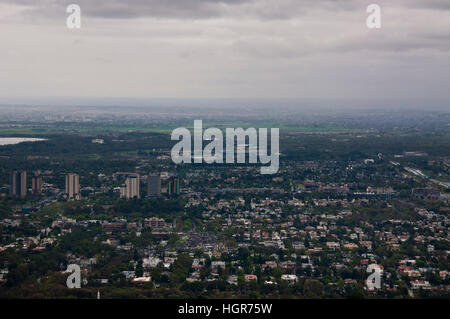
(131, 189)
(132, 186)
(19, 184)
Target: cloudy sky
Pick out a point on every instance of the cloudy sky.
(225, 49)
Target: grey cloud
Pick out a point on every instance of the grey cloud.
(223, 48)
(199, 9)
(125, 9)
(431, 4)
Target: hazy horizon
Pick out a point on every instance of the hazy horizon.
(254, 103)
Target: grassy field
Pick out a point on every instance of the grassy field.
(164, 129)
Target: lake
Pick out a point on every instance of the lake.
(17, 140)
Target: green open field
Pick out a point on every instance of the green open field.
(38, 130)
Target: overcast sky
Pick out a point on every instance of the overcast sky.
(225, 49)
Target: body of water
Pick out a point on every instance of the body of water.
(17, 140)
